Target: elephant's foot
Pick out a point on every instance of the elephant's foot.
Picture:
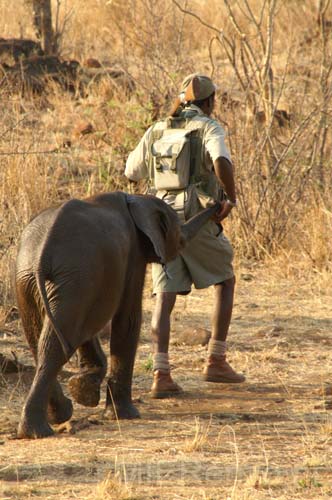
(33, 429)
(60, 411)
(118, 401)
(121, 411)
(85, 388)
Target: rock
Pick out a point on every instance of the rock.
(91, 62)
(272, 331)
(247, 277)
(192, 336)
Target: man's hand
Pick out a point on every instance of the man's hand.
(224, 211)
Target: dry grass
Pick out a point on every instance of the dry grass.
(267, 438)
(270, 437)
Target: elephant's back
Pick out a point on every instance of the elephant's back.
(94, 221)
(87, 231)
(92, 238)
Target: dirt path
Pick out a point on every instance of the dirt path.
(268, 438)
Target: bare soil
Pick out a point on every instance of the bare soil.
(270, 437)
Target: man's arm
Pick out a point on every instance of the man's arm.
(136, 165)
(215, 145)
(224, 172)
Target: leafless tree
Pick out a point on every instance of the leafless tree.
(42, 20)
(276, 154)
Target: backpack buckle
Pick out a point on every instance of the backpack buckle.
(158, 161)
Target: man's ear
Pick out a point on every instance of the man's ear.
(192, 91)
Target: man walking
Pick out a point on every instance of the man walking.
(187, 163)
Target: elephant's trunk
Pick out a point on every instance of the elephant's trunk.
(190, 228)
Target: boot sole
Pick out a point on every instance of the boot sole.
(222, 380)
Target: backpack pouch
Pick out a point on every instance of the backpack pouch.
(171, 159)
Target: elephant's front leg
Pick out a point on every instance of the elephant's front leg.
(85, 386)
(124, 337)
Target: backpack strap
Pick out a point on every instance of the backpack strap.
(196, 154)
(154, 136)
(176, 122)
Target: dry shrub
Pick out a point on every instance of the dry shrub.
(25, 188)
(200, 441)
(277, 123)
(274, 101)
(16, 23)
(313, 237)
(112, 488)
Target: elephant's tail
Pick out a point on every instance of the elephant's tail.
(40, 279)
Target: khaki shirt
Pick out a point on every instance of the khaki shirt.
(213, 144)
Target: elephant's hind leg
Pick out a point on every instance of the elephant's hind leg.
(60, 408)
(50, 359)
(30, 314)
(85, 386)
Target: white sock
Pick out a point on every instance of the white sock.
(161, 362)
(217, 347)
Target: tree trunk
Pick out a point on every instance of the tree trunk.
(42, 19)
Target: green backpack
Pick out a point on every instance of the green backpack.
(175, 157)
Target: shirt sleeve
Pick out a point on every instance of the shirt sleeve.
(137, 164)
(214, 141)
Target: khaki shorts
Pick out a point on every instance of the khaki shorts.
(205, 261)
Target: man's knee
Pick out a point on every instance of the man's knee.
(229, 283)
(163, 308)
(165, 302)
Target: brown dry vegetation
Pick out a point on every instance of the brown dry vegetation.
(270, 437)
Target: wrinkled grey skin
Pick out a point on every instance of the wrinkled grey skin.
(79, 266)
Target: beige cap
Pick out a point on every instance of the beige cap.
(196, 87)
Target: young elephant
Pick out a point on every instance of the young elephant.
(78, 266)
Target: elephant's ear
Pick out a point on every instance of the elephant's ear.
(158, 222)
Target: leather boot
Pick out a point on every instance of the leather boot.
(218, 370)
(163, 385)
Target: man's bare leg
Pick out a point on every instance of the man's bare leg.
(163, 386)
(217, 368)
